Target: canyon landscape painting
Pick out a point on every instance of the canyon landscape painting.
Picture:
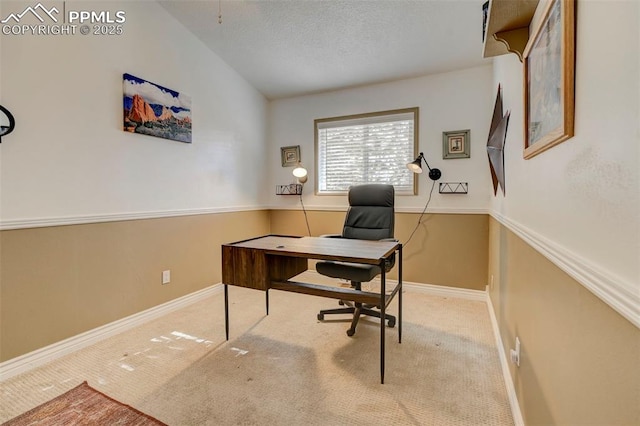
(154, 110)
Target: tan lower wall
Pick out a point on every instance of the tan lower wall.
(57, 282)
(579, 357)
(446, 249)
(580, 361)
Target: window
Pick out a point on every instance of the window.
(366, 148)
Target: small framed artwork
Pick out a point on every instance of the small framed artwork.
(456, 144)
(549, 74)
(290, 155)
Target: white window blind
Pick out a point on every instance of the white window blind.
(369, 148)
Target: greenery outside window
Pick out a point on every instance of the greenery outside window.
(366, 148)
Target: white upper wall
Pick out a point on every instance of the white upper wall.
(69, 157)
(583, 195)
(455, 100)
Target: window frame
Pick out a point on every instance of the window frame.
(416, 127)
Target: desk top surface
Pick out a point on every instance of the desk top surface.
(350, 250)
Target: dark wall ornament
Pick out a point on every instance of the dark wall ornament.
(7, 122)
(495, 144)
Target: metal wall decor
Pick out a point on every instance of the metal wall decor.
(495, 144)
(290, 189)
(7, 122)
(453, 187)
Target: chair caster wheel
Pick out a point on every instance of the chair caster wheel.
(350, 332)
(320, 317)
(392, 323)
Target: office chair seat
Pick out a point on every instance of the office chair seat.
(370, 217)
(348, 271)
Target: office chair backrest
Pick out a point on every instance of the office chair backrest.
(371, 212)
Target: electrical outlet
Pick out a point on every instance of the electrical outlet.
(166, 277)
(515, 353)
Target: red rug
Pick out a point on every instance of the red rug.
(83, 405)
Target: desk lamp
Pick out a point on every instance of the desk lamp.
(434, 174)
(300, 173)
(416, 167)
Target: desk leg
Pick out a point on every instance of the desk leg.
(400, 295)
(226, 311)
(267, 300)
(382, 322)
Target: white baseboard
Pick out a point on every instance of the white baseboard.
(54, 351)
(57, 350)
(439, 290)
(508, 380)
(432, 289)
(482, 296)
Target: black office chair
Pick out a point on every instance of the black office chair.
(370, 217)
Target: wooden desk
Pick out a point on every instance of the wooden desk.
(268, 262)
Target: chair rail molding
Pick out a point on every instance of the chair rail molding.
(116, 217)
(343, 208)
(619, 294)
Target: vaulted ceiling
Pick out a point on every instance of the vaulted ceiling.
(293, 47)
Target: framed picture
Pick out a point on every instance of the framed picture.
(154, 110)
(549, 75)
(456, 144)
(485, 16)
(290, 155)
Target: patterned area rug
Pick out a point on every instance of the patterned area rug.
(83, 405)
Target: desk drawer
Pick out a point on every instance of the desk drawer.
(251, 268)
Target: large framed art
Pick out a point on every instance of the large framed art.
(549, 76)
(154, 110)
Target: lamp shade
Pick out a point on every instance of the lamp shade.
(415, 166)
(301, 173)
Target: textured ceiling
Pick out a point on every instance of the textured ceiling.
(292, 47)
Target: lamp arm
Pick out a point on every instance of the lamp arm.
(425, 160)
(434, 174)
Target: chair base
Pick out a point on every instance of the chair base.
(356, 310)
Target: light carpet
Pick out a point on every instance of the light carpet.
(289, 368)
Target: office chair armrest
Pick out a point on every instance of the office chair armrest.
(331, 236)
